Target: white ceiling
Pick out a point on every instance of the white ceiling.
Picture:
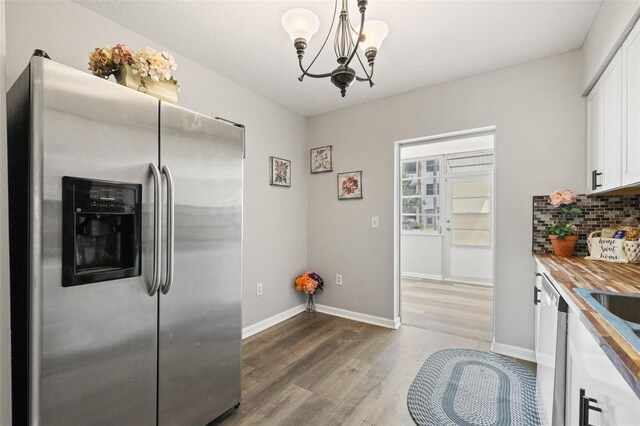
(429, 42)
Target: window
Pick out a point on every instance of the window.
(421, 195)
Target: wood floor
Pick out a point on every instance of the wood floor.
(316, 369)
(453, 308)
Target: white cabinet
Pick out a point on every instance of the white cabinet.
(595, 137)
(604, 130)
(612, 175)
(589, 370)
(631, 100)
(537, 291)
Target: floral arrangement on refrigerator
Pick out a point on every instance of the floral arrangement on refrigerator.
(145, 70)
(310, 283)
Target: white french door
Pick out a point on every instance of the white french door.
(468, 229)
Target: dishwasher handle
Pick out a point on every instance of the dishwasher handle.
(536, 290)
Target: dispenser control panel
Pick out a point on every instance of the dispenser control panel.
(105, 199)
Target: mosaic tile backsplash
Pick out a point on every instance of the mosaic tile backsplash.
(598, 211)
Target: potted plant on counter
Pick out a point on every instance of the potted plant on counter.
(564, 235)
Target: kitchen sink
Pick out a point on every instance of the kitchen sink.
(620, 310)
(624, 306)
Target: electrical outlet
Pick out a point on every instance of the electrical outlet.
(375, 222)
(338, 279)
(259, 289)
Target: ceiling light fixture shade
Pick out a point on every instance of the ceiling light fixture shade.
(374, 34)
(301, 24)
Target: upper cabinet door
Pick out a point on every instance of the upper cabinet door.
(612, 86)
(604, 130)
(631, 100)
(595, 137)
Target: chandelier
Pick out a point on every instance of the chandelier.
(302, 24)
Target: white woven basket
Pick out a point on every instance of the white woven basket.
(631, 248)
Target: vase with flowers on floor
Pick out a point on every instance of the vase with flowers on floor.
(310, 283)
(562, 234)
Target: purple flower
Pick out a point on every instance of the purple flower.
(317, 279)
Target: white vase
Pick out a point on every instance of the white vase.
(158, 89)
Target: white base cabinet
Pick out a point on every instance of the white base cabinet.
(590, 370)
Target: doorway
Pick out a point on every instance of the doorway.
(446, 233)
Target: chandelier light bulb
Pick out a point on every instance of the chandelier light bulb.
(374, 34)
(300, 23)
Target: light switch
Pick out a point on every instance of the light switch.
(375, 222)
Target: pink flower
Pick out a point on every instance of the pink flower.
(121, 55)
(562, 197)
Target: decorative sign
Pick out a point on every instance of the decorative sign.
(607, 249)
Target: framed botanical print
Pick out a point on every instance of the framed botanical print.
(322, 159)
(350, 185)
(280, 172)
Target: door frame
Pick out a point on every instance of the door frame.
(397, 193)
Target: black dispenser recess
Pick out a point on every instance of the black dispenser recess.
(101, 230)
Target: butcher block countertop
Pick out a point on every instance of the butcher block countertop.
(577, 272)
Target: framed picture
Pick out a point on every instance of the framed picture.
(322, 159)
(350, 185)
(280, 171)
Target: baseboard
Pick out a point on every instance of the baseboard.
(514, 351)
(397, 323)
(357, 316)
(422, 276)
(463, 280)
(271, 321)
(337, 312)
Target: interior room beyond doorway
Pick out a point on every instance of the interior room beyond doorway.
(446, 239)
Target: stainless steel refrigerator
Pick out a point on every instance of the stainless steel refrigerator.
(125, 248)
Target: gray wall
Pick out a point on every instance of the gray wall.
(539, 116)
(275, 246)
(611, 25)
(5, 347)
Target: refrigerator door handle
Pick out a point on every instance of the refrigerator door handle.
(170, 229)
(157, 228)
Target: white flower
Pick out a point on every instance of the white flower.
(154, 65)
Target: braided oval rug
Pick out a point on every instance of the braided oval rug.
(473, 388)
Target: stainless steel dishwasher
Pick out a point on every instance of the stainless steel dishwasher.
(551, 354)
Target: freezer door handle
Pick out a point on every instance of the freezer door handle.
(157, 228)
(170, 229)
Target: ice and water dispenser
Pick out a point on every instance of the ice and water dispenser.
(101, 230)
